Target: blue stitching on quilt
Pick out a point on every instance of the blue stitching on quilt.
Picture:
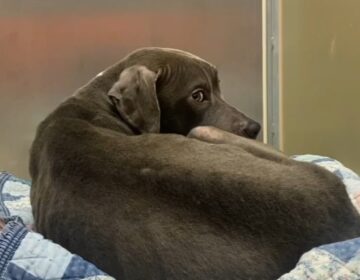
(10, 239)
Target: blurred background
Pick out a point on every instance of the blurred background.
(320, 78)
(48, 49)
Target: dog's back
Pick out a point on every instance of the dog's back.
(169, 207)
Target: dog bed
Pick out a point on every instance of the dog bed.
(26, 255)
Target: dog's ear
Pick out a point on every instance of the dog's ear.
(134, 95)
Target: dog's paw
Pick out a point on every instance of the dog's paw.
(210, 134)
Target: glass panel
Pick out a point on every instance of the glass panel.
(50, 48)
(320, 79)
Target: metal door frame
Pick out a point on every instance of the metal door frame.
(271, 96)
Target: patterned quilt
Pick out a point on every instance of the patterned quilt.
(27, 255)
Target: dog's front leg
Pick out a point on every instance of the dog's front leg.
(215, 135)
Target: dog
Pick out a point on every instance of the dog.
(148, 173)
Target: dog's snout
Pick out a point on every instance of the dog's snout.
(252, 129)
(247, 128)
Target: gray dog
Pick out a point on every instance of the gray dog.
(143, 172)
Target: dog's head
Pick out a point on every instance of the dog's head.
(171, 91)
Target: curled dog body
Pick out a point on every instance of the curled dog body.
(128, 174)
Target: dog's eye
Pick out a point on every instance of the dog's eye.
(198, 95)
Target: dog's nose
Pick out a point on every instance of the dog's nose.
(252, 129)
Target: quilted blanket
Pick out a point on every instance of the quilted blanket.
(26, 255)
(338, 261)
